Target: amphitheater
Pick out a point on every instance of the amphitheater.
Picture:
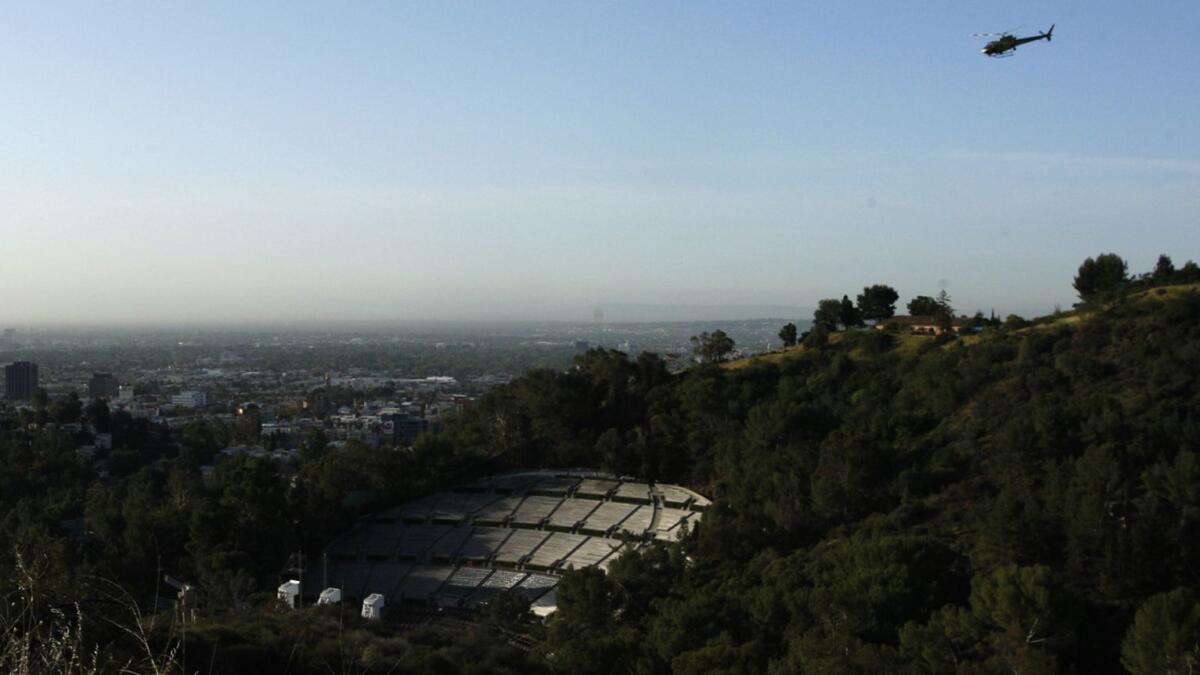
(516, 531)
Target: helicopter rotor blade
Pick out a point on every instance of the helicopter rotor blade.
(996, 34)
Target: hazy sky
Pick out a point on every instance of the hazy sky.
(233, 161)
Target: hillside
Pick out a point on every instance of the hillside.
(887, 503)
(1024, 500)
(911, 342)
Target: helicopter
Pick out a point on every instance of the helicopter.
(1007, 44)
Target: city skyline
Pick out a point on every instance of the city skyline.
(300, 162)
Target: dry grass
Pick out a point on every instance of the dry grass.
(770, 357)
(37, 637)
(906, 344)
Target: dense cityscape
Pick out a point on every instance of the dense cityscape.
(277, 387)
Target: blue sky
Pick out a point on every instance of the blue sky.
(233, 161)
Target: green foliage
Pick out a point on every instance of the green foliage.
(877, 302)
(1017, 600)
(828, 314)
(584, 636)
(712, 347)
(818, 337)
(1165, 635)
(1164, 270)
(1015, 322)
(923, 305)
(1189, 273)
(645, 575)
(247, 430)
(97, 415)
(313, 445)
(1015, 623)
(787, 334)
(334, 639)
(944, 310)
(1100, 276)
(849, 315)
(506, 610)
(1016, 502)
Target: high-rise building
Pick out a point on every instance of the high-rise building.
(103, 385)
(403, 428)
(20, 380)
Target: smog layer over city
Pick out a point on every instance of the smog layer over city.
(562, 337)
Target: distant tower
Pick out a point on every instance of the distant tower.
(20, 380)
(598, 315)
(103, 386)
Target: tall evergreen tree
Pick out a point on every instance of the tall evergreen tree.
(1164, 269)
(849, 315)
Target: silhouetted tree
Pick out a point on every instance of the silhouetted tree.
(66, 410)
(788, 334)
(1164, 270)
(1100, 275)
(923, 305)
(313, 444)
(98, 416)
(817, 337)
(944, 314)
(712, 347)
(828, 313)
(1190, 272)
(877, 302)
(849, 315)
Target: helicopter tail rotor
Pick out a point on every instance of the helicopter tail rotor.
(1048, 33)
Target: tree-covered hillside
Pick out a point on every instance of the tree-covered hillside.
(1023, 500)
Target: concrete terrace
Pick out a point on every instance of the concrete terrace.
(516, 531)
